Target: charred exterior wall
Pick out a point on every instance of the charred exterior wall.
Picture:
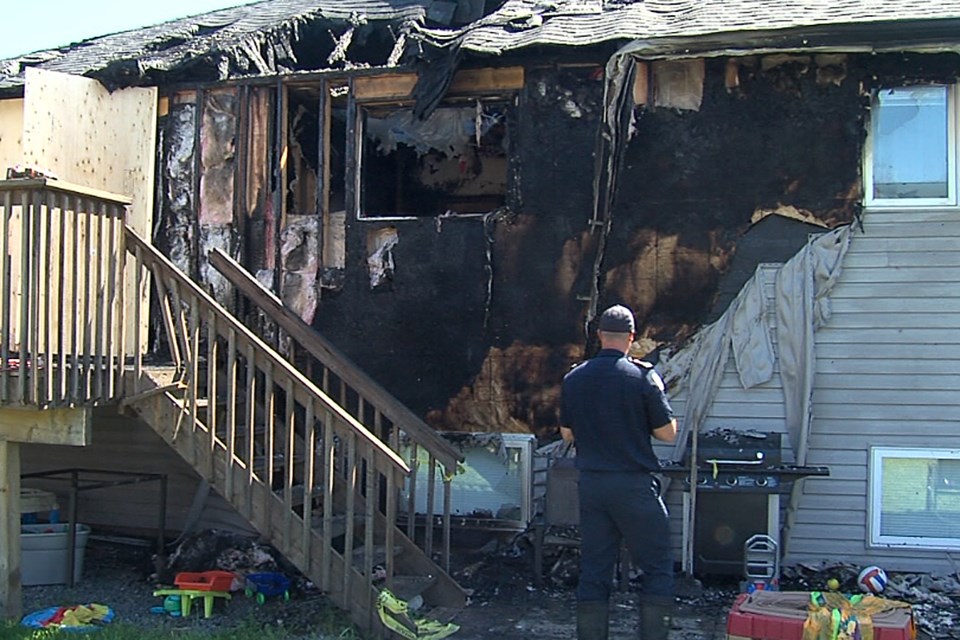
(783, 138)
(419, 332)
(473, 320)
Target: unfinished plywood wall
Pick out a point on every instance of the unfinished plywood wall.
(11, 134)
(11, 154)
(77, 130)
(86, 135)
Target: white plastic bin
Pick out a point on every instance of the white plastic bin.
(43, 553)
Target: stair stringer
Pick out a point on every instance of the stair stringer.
(165, 413)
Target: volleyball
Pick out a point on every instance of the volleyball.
(873, 579)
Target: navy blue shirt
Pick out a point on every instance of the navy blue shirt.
(613, 405)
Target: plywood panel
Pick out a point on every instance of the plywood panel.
(11, 134)
(84, 134)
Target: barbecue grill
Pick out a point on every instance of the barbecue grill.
(740, 477)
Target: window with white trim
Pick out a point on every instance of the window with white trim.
(915, 497)
(911, 147)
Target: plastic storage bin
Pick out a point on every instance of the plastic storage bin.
(43, 553)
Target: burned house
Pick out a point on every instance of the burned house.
(449, 192)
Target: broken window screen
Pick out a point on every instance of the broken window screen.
(455, 161)
(911, 157)
(916, 498)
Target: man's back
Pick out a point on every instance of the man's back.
(612, 405)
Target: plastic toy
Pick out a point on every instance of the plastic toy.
(205, 580)
(187, 596)
(266, 585)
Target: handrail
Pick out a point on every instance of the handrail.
(66, 188)
(335, 360)
(150, 256)
(438, 451)
(62, 312)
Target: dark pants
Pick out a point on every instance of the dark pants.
(626, 507)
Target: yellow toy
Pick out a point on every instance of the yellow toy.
(188, 595)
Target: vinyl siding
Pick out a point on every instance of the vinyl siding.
(126, 444)
(759, 409)
(888, 373)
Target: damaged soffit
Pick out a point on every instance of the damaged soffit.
(251, 39)
(675, 27)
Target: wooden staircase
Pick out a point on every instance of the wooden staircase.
(311, 459)
(320, 482)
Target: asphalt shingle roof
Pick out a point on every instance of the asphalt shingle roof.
(248, 31)
(256, 37)
(522, 23)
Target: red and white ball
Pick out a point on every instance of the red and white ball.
(872, 579)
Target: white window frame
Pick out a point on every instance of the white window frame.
(875, 495)
(911, 203)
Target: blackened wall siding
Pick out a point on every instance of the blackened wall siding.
(481, 318)
(693, 179)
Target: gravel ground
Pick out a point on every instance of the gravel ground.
(503, 601)
(119, 576)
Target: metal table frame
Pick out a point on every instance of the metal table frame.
(78, 484)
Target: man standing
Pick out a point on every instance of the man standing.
(612, 405)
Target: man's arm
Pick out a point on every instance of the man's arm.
(666, 432)
(567, 434)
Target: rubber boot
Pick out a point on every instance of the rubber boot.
(655, 620)
(592, 620)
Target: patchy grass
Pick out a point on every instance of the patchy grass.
(333, 629)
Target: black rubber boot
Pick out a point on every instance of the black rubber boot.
(655, 619)
(592, 620)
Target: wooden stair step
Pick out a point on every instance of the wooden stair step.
(379, 555)
(338, 524)
(408, 587)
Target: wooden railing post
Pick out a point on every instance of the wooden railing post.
(61, 310)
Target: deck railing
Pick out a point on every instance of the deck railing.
(368, 402)
(269, 437)
(62, 315)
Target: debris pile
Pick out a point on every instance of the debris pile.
(212, 549)
(935, 598)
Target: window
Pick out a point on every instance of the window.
(454, 161)
(915, 498)
(911, 148)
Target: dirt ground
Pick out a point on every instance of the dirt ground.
(551, 615)
(504, 603)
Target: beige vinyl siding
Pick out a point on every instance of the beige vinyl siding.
(128, 445)
(888, 374)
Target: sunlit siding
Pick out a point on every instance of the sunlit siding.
(888, 373)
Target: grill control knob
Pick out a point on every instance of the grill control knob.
(733, 481)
